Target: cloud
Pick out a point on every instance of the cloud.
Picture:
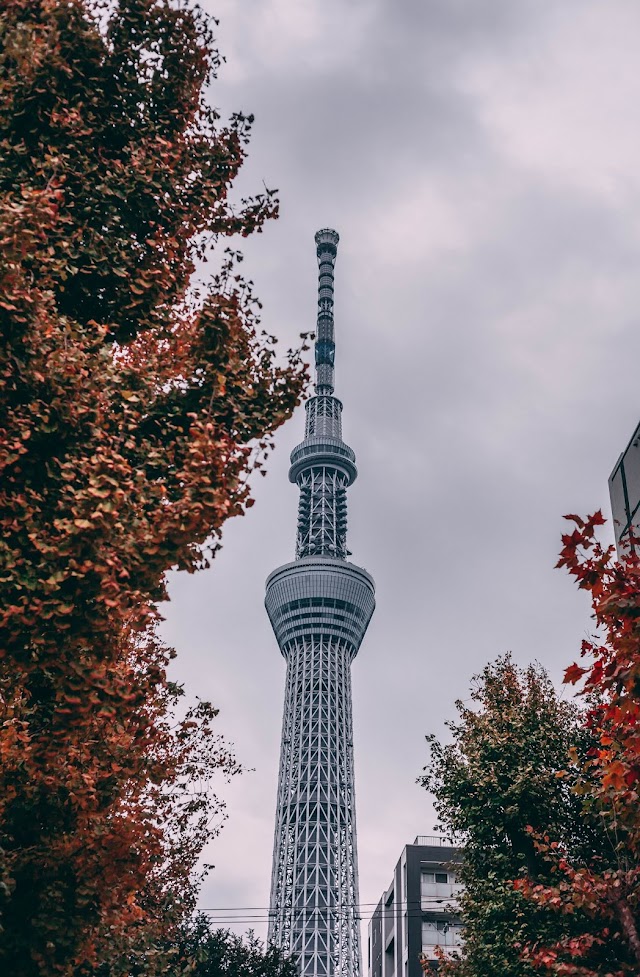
(283, 40)
(480, 162)
(564, 108)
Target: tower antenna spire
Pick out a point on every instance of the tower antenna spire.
(326, 250)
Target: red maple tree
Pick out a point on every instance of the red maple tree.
(605, 888)
(133, 411)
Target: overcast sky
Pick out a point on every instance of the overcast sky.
(481, 162)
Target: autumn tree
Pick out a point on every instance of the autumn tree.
(497, 793)
(133, 411)
(608, 778)
(206, 952)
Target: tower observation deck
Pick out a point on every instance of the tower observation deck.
(319, 607)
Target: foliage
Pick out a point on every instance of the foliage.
(495, 788)
(194, 949)
(609, 777)
(130, 408)
(203, 952)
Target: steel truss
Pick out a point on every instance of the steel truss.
(315, 878)
(322, 513)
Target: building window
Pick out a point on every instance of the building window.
(438, 885)
(440, 877)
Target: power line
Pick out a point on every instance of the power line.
(445, 906)
(347, 905)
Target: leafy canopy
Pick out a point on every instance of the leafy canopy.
(497, 791)
(545, 797)
(205, 952)
(608, 778)
(132, 412)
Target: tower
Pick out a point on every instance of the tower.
(319, 607)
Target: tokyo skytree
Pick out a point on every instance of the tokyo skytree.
(319, 607)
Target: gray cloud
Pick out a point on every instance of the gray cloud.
(479, 161)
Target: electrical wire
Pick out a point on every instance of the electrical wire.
(244, 915)
(350, 905)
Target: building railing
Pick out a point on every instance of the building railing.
(440, 892)
(434, 841)
(429, 950)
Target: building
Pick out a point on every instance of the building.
(320, 606)
(624, 491)
(417, 912)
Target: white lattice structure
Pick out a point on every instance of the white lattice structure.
(319, 607)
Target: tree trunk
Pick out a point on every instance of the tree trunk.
(629, 927)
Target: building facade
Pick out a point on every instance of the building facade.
(624, 491)
(319, 606)
(418, 911)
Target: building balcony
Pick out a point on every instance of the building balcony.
(432, 892)
(444, 933)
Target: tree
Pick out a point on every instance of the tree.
(608, 778)
(496, 791)
(133, 411)
(204, 952)
(194, 949)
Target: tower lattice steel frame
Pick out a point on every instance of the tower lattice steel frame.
(319, 607)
